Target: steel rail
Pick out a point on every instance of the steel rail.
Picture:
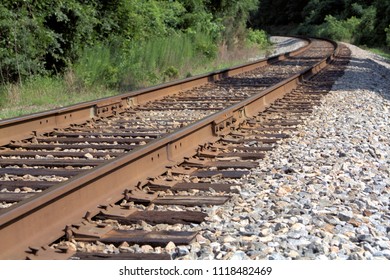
(21, 226)
(27, 126)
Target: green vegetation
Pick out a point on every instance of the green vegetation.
(140, 63)
(55, 53)
(62, 52)
(361, 22)
(41, 93)
(380, 51)
(258, 37)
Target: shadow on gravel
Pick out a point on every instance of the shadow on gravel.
(265, 81)
(367, 74)
(287, 43)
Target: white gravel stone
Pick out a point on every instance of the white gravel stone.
(170, 248)
(323, 193)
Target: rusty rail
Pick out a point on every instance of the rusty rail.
(26, 126)
(21, 226)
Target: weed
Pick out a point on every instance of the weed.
(106, 69)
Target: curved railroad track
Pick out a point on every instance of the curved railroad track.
(113, 170)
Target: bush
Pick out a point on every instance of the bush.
(366, 33)
(340, 30)
(205, 46)
(258, 37)
(171, 73)
(97, 66)
(23, 45)
(41, 38)
(388, 36)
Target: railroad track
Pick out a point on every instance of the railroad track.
(112, 171)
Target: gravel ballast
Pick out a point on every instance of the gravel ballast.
(334, 201)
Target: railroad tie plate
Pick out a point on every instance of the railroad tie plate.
(116, 211)
(243, 155)
(159, 184)
(220, 164)
(140, 196)
(89, 232)
(185, 186)
(179, 170)
(120, 256)
(128, 216)
(187, 200)
(152, 217)
(209, 153)
(233, 174)
(152, 238)
(14, 197)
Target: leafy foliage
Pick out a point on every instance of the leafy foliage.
(341, 30)
(38, 37)
(138, 19)
(234, 15)
(364, 22)
(56, 37)
(388, 36)
(23, 43)
(258, 37)
(49, 37)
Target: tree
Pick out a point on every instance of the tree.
(234, 16)
(382, 23)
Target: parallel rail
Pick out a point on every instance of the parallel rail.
(21, 226)
(26, 126)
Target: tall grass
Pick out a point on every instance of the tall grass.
(41, 93)
(134, 64)
(107, 69)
